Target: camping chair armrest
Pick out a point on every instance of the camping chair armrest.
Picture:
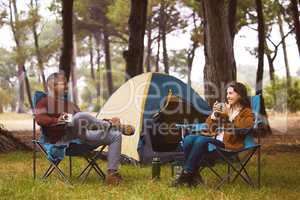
(64, 124)
(235, 151)
(193, 127)
(236, 131)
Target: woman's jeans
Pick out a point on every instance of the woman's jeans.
(194, 147)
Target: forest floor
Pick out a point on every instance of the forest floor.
(280, 171)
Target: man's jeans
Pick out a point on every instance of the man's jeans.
(101, 134)
(194, 146)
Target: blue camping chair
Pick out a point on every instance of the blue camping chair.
(55, 153)
(236, 160)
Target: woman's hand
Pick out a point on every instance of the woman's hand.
(217, 107)
(220, 109)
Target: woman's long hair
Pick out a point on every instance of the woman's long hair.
(242, 91)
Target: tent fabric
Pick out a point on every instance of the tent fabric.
(142, 98)
(127, 103)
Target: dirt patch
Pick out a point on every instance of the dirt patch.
(282, 148)
(285, 133)
(285, 123)
(10, 143)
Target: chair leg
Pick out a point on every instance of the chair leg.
(228, 172)
(34, 149)
(92, 164)
(48, 171)
(86, 174)
(84, 170)
(243, 169)
(34, 160)
(53, 166)
(259, 167)
(98, 169)
(223, 179)
(70, 166)
(215, 172)
(238, 170)
(100, 172)
(62, 175)
(207, 164)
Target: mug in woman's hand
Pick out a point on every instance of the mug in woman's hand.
(219, 108)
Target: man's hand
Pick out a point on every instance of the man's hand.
(115, 121)
(63, 117)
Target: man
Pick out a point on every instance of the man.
(54, 110)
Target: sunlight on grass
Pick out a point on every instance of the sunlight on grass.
(281, 178)
(15, 116)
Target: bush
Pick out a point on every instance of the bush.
(279, 97)
(294, 96)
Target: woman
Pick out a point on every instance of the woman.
(235, 113)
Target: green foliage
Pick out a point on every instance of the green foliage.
(178, 62)
(8, 73)
(90, 100)
(49, 41)
(294, 96)
(118, 14)
(279, 97)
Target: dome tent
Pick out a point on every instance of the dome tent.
(158, 98)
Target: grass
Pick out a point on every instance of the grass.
(281, 178)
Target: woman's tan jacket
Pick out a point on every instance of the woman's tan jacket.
(244, 119)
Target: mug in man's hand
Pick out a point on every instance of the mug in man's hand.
(68, 117)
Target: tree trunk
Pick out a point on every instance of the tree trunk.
(73, 75)
(21, 96)
(260, 67)
(190, 57)
(13, 106)
(149, 47)
(109, 79)
(137, 25)
(287, 67)
(191, 53)
(91, 57)
(37, 46)
(67, 48)
(295, 15)
(163, 24)
(271, 67)
(28, 90)
(158, 52)
(232, 7)
(98, 80)
(20, 107)
(22, 76)
(261, 46)
(218, 49)
(272, 77)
